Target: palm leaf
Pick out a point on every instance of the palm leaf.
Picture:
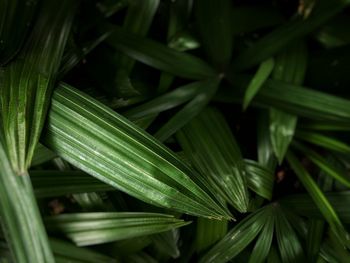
(27, 82)
(319, 198)
(96, 228)
(257, 81)
(48, 183)
(109, 147)
(159, 56)
(291, 68)
(208, 142)
(20, 215)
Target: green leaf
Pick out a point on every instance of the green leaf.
(209, 232)
(291, 68)
(159, 56)
(67, 252)
(273, 256)
(104, 144)
(214, 24)
(294, 99)
(304, 205)
(296, 28)
(335, 172)
(333, 251)
(189, 111)
(208, 141)
(166, 101)
(27, 82)
(137, 21)
(260, 179)
(257, 81)
(264, 241)
(20, 216)
(96, 228)
(314, 239)
(266, 156)
(48, 183)
(238, 237)
(288, 242)
(320, 199)
(324, 141)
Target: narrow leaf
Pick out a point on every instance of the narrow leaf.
(237, 238)
(260, 179)
(291, 68)
(48, 183)
(189, 111)
(257, 81)
(159, 56)
(327, 167)
(319, 198)
(96, 228)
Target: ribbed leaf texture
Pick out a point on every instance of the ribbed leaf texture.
(111, 148)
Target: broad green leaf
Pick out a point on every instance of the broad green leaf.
(264, 241)
(20, 216)
(304, 205)
(290, 67)
(48, 183)
(166, 101)
(159, 56)
(296, 28)
(209, 232)
(320, 199)
(15, 20)
(289, 245)
(248, 18)
(238, 238)
(213, 19)
(131, 245)
(208, 141)
(314, 239)
(137, 21)
(257, 81)
(106, 145)
(324, 141)
(328, 168)
(189, 111)
(260, 179)
(27, 82)
(294, 99)
(91, 201)
(140, 258)
(96, 228)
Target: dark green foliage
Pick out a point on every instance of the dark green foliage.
(174, 131)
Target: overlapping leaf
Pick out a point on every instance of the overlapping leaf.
(27, 81)
(209, 143)
(109, 147)
(159, 56)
